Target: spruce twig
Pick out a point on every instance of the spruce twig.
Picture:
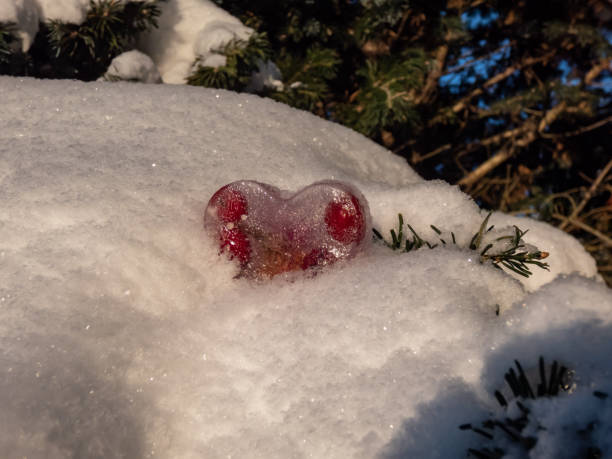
(513, 428)
(516, 258)
(6, 38)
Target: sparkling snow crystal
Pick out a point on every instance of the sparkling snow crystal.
(124, 334)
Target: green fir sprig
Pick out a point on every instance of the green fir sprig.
(306, 77)
(242, 59)
(110, 28)
(553, 380)
(6, 38)
(516, 258)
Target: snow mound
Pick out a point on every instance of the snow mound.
(133, 66)
(71, 11)
(24, 16)
(189, 29)
(125, 335)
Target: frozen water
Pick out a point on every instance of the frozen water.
(124, 334)
(24, 16)
(267, 76)
(72, 11)
(189, 29)
(272, 232)
(133, 66)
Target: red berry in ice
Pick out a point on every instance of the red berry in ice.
(236, 242)
(344, 219)
(317, 257)
(230, 204)
(308, 230)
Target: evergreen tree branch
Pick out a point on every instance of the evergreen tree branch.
(514, 256)
(527, 62)
(6, 37)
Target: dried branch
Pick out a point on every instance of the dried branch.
(572, 217)
(596, 70)
(550, 116)
(417, 157)
(520, 138)
(578, 131)
(583, 226)
(500, 157)
(500, 77)
(471, 62)
(434, 75)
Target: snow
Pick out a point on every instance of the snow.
(24, 16)
(133, 66)
(190, 29)
(72, 11)
(187, 29)
(267, 76)
(124, 334)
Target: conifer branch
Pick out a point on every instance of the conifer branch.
(242, 59)
(515, 258)
(6, 38)
(516, 427)
(457, 107)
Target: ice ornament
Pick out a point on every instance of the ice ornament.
(271, 231)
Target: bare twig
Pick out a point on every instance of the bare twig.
(494, 139)
(519, 137)
(551, 115)
(583, 226)
(417, 158)
(596, 70)
(471, 62)
(579, 131)
(499, 158)
(500, 77)
(434, 75)
(587, 196)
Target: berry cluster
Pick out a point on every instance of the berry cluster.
(268, 234)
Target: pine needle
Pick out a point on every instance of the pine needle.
(515, 258)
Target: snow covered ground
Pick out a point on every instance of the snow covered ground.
(123, 334)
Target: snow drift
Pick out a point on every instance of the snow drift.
(123, 334)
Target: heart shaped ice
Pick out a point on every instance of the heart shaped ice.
(270, 231)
